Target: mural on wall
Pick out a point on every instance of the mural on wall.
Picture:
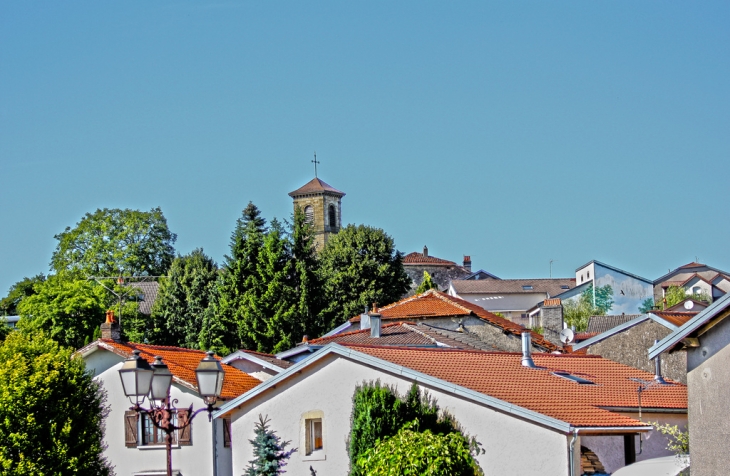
(627, 293)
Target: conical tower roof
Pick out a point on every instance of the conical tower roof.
(316, 186)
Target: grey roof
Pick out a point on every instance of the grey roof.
(460, 340)
(149, 295)
(601, 324)
(551, 287)
(692, 325)
(475, 275)
(636, 319)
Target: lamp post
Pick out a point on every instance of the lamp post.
(141, 380)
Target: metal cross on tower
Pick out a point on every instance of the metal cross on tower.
(315, 162)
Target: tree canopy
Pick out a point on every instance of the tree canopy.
(359, 266)
(19, 291)
(68, 309)
(182, 300)
(111, 242)
(426, 284)
(576, 312)
(676, 294)
(51, 410)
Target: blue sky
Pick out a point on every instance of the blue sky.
(515, 132)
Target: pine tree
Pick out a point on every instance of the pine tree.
(182, 300)
(269, 451)
(221, 329)
(304, 278)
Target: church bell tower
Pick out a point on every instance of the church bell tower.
(322, 205)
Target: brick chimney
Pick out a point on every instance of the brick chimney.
(551, 315)
(467, 263)
(110, 329)
(425, 251)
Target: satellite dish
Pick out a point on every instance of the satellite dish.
(567, 335)
(689, 305)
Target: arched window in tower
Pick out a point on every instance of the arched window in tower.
(309, 214)
(333, 216)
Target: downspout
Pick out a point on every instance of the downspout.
(572, 451)
(214, 427)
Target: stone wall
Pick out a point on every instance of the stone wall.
(441, 275)
(631, 347)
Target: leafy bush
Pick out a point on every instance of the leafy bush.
(419, 453)
(379, 413)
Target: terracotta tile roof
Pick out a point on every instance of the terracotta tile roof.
(601, 324)
(182, 364)
(501, 375)
(677, 318)
(551, 287)
(270, 358)
(316, 186)
(580, 336)
(419, 258)
(435, 304)
(405, 334)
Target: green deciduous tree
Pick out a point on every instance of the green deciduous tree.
(426, 284)
(51, 411)
(19, 291)
(359, 266)
(576, 312)
(423, 453)
(676, 294)
(66, 308)
(182, 300)
(270, 453)
(110, 242)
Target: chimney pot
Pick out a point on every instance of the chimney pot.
(110, 329)
(425, 250)
(527, 350)
(305, 338)
(467, 262)
(375, 320)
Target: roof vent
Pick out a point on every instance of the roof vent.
(527, 350)
(375, 319)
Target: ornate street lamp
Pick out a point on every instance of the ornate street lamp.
(141, 380)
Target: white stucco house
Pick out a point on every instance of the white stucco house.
(530, 420)
(133, 446)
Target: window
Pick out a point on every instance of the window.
(332, 216)
(313, 435)
(226, 432)
(574, 378)
(588, 274)
(141, 431)
(696, 290)
(564, 286)
(309, 214)
(151, 435)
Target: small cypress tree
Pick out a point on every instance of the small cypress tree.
(426, 284)
(269, 451)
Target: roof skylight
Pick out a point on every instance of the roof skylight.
(527, 287)
(574, 378)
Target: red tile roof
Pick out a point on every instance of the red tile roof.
(316, 186)
(551, 302)
(435, 304)
(182, 364)
(676, 318)
(501, 375)
(419, 258)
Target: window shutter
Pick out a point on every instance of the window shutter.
(130, 428)
(185, 438)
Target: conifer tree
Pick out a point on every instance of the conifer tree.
(183, 299)
(269, 451)
(221, 325)
(426, 284)
(305, 281)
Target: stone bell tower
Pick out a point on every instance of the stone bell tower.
(322, 205)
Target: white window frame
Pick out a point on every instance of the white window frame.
(305, 425)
